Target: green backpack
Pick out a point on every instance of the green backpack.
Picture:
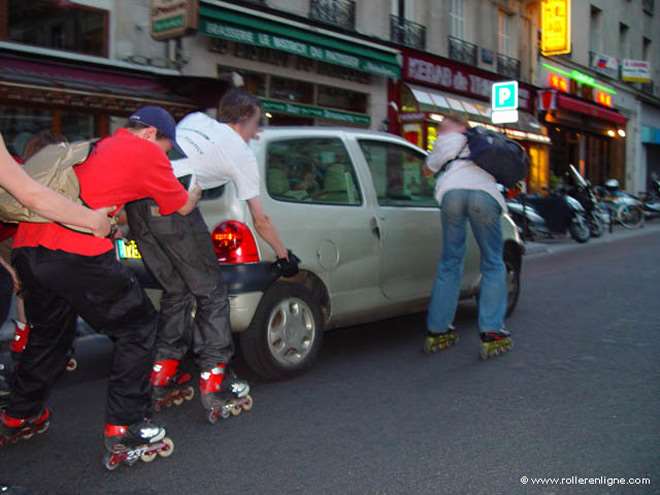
(52, 167)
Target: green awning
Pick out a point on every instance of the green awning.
(240, 27)
(311, 111)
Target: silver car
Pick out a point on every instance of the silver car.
(357, 208)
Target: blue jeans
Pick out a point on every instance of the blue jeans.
(483, 212)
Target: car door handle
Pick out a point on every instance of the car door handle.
(375, 228)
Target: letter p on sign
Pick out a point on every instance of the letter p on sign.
(505, 96)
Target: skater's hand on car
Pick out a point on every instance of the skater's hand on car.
(102, 223)
(287, 267)
(195, 193)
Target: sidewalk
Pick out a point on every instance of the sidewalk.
(553, 246)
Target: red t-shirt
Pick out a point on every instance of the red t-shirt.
(121, 169)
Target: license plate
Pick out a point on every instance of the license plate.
(127, 250)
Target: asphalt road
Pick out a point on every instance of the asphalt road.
(578, 396)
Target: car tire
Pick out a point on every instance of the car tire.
(513, 269)
(286, 332)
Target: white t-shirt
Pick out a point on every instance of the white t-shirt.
(216, 155)
(460, 174)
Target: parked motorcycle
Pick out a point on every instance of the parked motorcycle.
(623, 207)
(582, 190)
(651, 200)
(540, 217)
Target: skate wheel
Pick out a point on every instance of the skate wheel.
(148, 456)
(72, 365)
(178, 401)
(167, 448)
(189, 393)
(247, 405)
(213, 416)
(110, 461)
(44, 428)
(483, 354)
(235, 409)
(428, 347)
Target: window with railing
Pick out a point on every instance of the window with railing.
(463, 51)
(407, 32)
(508, 66)
(340, 13)
(59, 25)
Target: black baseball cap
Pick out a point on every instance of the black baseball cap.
(161, 119)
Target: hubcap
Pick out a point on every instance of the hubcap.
(291, 331)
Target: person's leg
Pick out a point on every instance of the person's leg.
(196, 263)
(176, 305)
(447, 285)
(484, 213)
(53, 322)
(109, 297)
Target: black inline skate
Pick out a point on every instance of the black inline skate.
(14, 429)
(223, 393)
(137, 442)
(169, 385)
(495, 343)
(434, 342)
(5, 389)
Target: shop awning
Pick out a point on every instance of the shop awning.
(590, 109)
(55, 83)
(220, 20)
(477, 113)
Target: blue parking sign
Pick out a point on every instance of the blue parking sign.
(504, 96)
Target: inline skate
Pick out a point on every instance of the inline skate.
(142, 441)
(223, 394)
(14, 429)
(434, 342)
(169, 385)
(495, 343)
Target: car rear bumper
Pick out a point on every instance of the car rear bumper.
(246, 285)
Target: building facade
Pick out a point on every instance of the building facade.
(598, 121)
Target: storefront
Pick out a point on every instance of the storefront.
(586, 129)
(71, 96)
(433, 87)
(304, 74)
(650, 156)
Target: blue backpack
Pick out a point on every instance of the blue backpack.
(501, 157)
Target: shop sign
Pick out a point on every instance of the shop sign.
(638, 71)
(173, 18)
(309, 111)
(605, 64)
(300, 48)
(555, 27)
(448, 76)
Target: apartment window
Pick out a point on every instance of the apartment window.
(457, 19)
(504, 22)
(595, 38)
(404, 8)
(59, 25)
(646, 49)
(624, 41)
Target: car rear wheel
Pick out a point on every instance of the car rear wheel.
(285, 335)
(513, 268)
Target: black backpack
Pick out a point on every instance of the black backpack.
(502, 158)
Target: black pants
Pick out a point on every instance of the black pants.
(58, 287)
(178, 251)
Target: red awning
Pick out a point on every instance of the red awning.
(590, 109)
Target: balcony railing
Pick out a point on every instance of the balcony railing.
(339, 13)
(463, 51)
(648, 6)
(407, 32)
(508, 66)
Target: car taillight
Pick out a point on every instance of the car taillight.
(233, 242)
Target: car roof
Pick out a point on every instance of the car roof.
(325, 130)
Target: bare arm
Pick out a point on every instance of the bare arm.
(266, 229)
(46, 202)
(194, 195)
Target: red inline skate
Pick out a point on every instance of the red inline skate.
(127, 444)
(169, 385)
(14, 429)
(223, 394)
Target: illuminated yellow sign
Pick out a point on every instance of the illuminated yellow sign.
(555, 27)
